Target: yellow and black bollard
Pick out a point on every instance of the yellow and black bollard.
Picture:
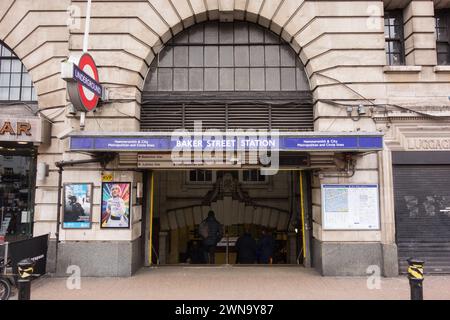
(25, 270)
(415, 276)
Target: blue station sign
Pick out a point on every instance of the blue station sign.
(281, 143)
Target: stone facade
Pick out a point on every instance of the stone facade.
(341, 44)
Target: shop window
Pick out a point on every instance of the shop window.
(201, 176)
(442, 18)
(253, 176)
(394, 41)
(15, 82)
(16, 191)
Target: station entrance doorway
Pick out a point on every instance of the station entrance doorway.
(258, 213)
(227, 77)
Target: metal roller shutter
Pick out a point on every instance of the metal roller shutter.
(422, 198)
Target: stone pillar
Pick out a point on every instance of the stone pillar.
(419, 33)
(387, 211)
(345, 252)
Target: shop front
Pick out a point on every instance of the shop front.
(19, 138)
(421, 175)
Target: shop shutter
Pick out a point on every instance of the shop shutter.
(422, 198)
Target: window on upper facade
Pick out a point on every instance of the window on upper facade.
(218, 56)
(200, 176)
(15, 82)
(394, 41)
(442, 37)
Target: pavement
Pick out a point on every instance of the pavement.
(232, 282)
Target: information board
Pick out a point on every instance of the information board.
(350, 207)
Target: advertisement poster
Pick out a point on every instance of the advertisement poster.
(116, 204)
(350, 207)
(77, 206)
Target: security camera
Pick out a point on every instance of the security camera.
(349, 110)
(361, 109)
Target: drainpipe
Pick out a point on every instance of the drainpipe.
(103, 159)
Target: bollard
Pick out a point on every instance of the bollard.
(415, 276)
(25, 270)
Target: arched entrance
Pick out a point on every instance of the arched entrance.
(228, 76)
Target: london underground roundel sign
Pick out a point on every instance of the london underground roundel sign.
(83, 82)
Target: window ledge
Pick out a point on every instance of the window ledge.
(442, 69)
(402, 69)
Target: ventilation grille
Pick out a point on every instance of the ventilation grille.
(284, 117)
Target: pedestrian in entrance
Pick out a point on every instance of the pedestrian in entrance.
(246, 248)
(195, 253)
(211, 232)
(266, 247)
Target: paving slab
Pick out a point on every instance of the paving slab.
(231, 282)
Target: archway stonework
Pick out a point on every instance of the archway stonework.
(330, 38)
(37, 33)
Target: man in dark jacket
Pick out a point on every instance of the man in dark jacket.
(266, 247)
(246, 248)
(214, 232)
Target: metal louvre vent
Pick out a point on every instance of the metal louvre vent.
(292, 117)
(248, 117)
(213, 116)
(161, 117)
(167, 115)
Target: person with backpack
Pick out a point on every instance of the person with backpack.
(211, 232)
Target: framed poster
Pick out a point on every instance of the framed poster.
(350, 207)
(116, 205)
(77, 206)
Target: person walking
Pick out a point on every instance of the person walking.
(211, 232)
(266, 247)
(246, 248)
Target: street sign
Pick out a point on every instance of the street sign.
(83, 85)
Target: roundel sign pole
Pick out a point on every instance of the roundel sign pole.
(81, 74)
